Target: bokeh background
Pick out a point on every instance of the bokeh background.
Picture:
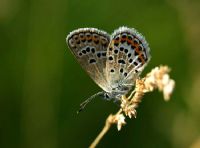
(42, 85)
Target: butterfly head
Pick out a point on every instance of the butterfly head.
(116, 93)
(106, 95)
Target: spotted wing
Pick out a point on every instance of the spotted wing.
(89, 45)
(128, 53)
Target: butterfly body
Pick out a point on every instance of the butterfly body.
(114, 61)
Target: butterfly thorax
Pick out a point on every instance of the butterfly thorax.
(117, 92)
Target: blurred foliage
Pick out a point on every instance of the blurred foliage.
(41, 84)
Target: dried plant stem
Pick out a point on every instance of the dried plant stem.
(158, 78)
(109, 121)
(102, 133)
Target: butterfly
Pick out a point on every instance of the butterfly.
(114, 61)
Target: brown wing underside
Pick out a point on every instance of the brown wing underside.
(89, 46)
(126, 57)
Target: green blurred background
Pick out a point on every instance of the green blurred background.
(42, 85)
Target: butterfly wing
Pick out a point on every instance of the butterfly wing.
(128, 54)
(89, 46)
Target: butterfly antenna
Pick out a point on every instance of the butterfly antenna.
(83, 104)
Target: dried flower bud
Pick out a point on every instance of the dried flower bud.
(120, 120)
(158, 78)
(168, 89)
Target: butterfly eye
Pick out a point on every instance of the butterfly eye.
(106, 96)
